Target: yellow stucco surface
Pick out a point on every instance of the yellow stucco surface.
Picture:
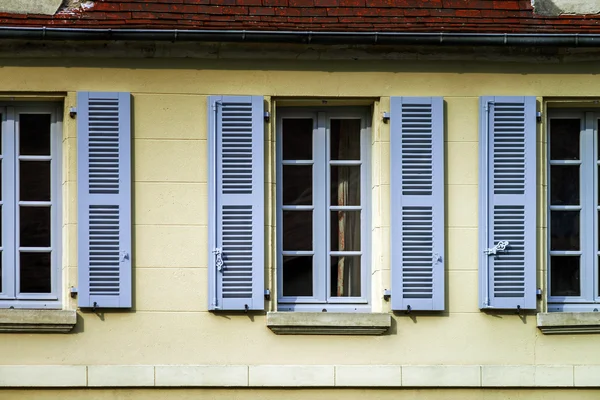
(170, 324)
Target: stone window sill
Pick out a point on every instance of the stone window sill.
(569, 322)
(37, 321)
(328, 323)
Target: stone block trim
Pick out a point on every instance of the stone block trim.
(340, 376)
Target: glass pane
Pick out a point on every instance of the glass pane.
(345, 276)
(35, 226)
(564, 230)
(297, 139)
(297, 276)
(297, 230)
(34, 134)
(35, 273)
(297, 185)
(345, 139)
(564, 276)
(345, 230)
(345, 185)
(564, 185)
(34, 180)
(564, 139)
(1, 288)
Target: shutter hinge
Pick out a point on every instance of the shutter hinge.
(73, 292)
(267, 116)
(538, 293)
(387, 293)
(538, 117)
(385, 117)
(267, 294)
(72, 112)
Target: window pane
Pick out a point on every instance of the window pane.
(564, 230)
(345, 276)
(564, 139)
(297, 230)
(564, 276)
(297, 139)
(34, 134)
(34, 177)
(297, 185)
(345, 186)
(345, 139)
(345, 230)
(297, 276)
(564, 185)
(35, 226)
(35, 273)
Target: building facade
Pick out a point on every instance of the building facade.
(294, 220)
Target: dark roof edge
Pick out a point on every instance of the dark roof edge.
(312, 37)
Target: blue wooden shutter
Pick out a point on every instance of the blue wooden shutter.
(104, 199)
(507, 208)
(236, 203)
(417, 196)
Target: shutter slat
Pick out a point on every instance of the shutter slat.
(104, 199)
(236, 224)
(507, 202)
(417, 185)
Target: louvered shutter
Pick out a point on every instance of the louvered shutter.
(104, 199)
(507, 210)
(236, 202)
(417, 196)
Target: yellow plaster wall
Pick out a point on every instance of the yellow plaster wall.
(170, 323)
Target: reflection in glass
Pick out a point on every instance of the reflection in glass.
(297, 276)
(297, 230)
(345, 230)
(564, 139)
(297, 185)
(565, 276)
(564, 185)
(34, 179)
(564, 230)
(35, 274)
(345, 139)
(345, 276)
(345, 185)
(34, 134)
(34, 226)
(297, 139)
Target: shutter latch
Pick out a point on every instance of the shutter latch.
(500, 247)
(218, 259)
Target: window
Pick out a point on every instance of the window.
(30, 206)
(573, 276)
(323, 216)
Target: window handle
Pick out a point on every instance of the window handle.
(499, 248)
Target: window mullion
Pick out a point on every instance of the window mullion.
(9, 193)
(320, 220)
(587, 188)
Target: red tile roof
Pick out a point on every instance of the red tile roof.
(489, 16)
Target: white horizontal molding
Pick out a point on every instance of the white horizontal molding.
(34, 321)
(367, 376)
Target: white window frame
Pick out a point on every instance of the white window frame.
(321, 300)
(9, 292)
(588, 224)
